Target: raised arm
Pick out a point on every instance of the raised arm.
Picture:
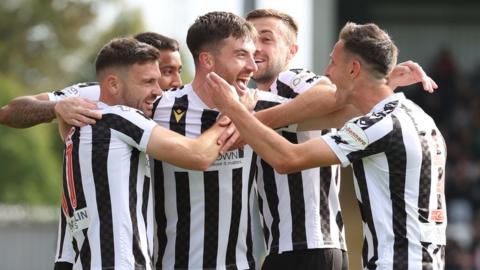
(409, 72)
(195, 154)
(282, 155)
(316, 102)
(28, 111)
(316, 108)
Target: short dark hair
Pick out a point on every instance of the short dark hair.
(158, 41)
(212, 28)
(288, 20)
(123, 52)
(372, 44)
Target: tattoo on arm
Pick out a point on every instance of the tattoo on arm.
(24, 112)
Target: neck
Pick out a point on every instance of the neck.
(265, 86)
(106, 97)
(198, 88)
(367, 95)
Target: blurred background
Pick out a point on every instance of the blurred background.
(46, 45)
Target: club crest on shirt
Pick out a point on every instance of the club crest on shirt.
(178, 113)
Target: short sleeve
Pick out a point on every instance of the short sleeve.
(89, 90)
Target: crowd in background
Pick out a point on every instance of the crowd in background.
(456, 110)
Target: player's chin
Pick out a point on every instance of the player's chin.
(148, 112)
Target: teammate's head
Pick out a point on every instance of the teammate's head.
(169, 61)
(128, 74)
(364, 52)
(276, 42)
(223, 42)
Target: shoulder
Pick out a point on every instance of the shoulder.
(296, 76)
(297, 80)
(373, 118)
(172, 93)
(123, 112)
(90, 90)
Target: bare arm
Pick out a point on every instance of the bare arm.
(282, 155)
(28, 111)
(317, 101)
(195, 154)
(316, 108)
(409, 72)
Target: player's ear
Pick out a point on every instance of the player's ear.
(292, 51)
(354, 68)
(206, 60)
(113, 84)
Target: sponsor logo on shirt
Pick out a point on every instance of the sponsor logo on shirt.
(234, 157)
(78, 221)
(355, 135)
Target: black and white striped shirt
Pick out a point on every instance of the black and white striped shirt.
(300, 210)
(398, 157)
(65, 251)
(89, 90)
(106, 191)
(203, 218)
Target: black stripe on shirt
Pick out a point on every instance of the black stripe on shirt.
(212, 205)
(366, 213)
(209, 117)
(85, 255)
(160, 215)
(264, 104)
(137, 252)
(63, 227)
(145, 196)
(297, 202)
(251, 178)
(427, 259)
(85, 252)
(272, 202)
(285, 91)
(235, 218)
(325, 181)
(397, 164)
(182, 242)
(100, 148)
(266, 232)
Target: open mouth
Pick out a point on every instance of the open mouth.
(241, 84)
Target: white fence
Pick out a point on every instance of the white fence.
(28, 237)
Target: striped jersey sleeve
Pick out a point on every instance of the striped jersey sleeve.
(89, 90)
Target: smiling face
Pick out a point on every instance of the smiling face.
(170, 67)
(273, 48)
(338, 70)
(233, 61)
(139, 87)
